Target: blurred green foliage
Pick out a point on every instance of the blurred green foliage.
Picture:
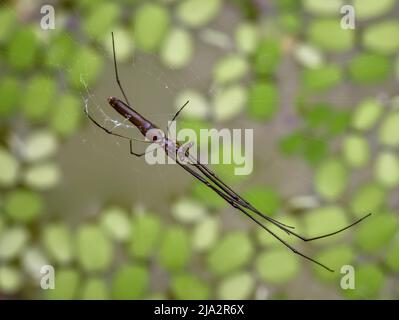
(349, 147)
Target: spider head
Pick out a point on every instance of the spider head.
(156, 136)
(112, 101)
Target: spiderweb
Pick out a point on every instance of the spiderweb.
(157, 105)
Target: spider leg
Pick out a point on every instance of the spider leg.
(110, 131)
(176, 115)
(237, 198)
(283, 241)
(233, 203)
(331, 233)
(212, 176)
(116, 71)
(184, 150)
(180, 110)
(138, 155)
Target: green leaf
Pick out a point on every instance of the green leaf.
(288, 5)
(230, 68)
(387, 169)
(205, 234)
(145, 235)
(326, 121)
(101, 19)
(189, 287)
(315, 150)
(9, 168)
(238, 286)
(356, 150)
(130, 282)
(40, 145)
(58, 241)
(325, 220)
(265, 199)
(328, 35)
(23, 206)
(33, 260)
(369, 280)
(188, 211)
(246, 37)
(231, 253)
(38, 97)
(177, 49)
(327, 8)
(66, 285)
(322, 78)
(291, 22)
(85, 68)
(151, 24)
(334, 257)
(124, 42)
(382, 37)
(375, 233)
(8, 20)
(339, 122)
(12, 242)
(396, 68)
(267, 57)
(292, 143)
(116, 223)
(368, 9)
(94, 250)
(229, 102)
(367, 114)
(60, 50)
(42, 176)
(369, 198)
(10, 279)
(308, 56)
(94, 289)
(208, 196)
(388, 133)
(67, 115)
(22, 49)
(196, 13)
(10, 97)
(239, 167)
(197, 108)
(2, 224)
(368, 68)
(330, 179)
(392, 257)
(277, 266)
(175, 250)
(263, 101)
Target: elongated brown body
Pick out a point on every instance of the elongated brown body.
(136, 119)
(172, 148)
